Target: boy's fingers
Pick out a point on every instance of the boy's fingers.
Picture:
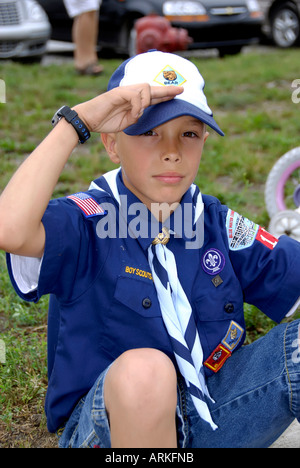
(139, 102)
(148, 96)
(164, 93)
(126, 103)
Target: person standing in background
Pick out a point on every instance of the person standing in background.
(85, 14)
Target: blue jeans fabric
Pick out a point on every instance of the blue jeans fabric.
(256, 393)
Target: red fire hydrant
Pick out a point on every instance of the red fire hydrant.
(156, 32)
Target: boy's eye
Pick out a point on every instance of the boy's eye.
(190, 134)
(149, 133)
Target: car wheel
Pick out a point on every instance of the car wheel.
(285, 26)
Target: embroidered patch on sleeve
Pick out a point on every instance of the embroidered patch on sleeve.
(241, 232)
(266, 238)
(224, 350)
(87, 204)
(217, 358)
(233, 336)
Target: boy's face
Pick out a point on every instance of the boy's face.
(159, 166)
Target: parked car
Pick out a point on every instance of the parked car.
(24, 30)
(227, 25)
(282, 21)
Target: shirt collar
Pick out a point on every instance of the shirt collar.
(143, 226)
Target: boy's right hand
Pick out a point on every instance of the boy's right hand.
(121, 107)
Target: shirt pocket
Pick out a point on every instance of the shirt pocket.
(214, 313)
(140, 296)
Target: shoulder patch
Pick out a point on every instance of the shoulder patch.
(266, 238)
(88, 205)
(241, 232)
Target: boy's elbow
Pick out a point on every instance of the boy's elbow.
(3, 235)
(13, 236)
(7, 230)
(9, 241)
(15, 240)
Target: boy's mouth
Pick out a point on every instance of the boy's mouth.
(169, 177)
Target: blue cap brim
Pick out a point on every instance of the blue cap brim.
(156, 115)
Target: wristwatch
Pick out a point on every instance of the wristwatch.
(72, 118)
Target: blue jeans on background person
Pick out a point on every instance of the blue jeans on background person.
(256, 393)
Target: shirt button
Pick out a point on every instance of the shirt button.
(229, 308)
(147, 303)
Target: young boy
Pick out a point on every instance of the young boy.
(147, 278)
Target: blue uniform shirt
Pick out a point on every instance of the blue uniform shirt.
(103, 300)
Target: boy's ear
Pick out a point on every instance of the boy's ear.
(109, 141)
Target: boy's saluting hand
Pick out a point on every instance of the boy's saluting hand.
(121, 107)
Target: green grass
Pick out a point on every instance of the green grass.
(251, 98)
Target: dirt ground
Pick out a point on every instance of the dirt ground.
(27, 432)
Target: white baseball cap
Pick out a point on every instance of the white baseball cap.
(165, 69)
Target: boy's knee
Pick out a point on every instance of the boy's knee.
(142, 377)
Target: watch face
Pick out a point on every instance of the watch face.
(55, 119)
(57, 116)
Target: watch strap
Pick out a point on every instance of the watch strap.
(72, 118)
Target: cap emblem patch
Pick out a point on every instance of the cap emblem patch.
(168, 76)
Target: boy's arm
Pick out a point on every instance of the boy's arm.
(26, 197)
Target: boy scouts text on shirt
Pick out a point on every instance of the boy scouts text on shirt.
(137, 272)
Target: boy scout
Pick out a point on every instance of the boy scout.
(147, 278)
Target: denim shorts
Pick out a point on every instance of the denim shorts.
(256, 394)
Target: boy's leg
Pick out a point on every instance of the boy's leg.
(140, 394)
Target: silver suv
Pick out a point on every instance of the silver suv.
(24, 30)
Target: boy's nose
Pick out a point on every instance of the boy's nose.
(171, 156)
(170, 152)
